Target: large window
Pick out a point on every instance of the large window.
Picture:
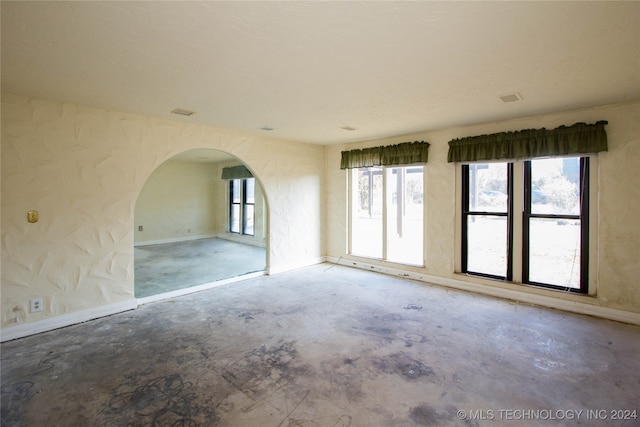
(554, 241)
(387, 211)
(242, 206)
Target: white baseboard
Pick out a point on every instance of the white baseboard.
(241, 239)
(525, 297)
(174, 240)
(31, 328)
(199, 288)
(295, 266)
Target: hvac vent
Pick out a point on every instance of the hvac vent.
(511, 98)
(183, 112)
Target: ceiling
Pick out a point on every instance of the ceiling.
(308, 70)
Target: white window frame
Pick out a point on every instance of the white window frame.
(352, 186)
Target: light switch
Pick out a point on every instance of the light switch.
(32, 216)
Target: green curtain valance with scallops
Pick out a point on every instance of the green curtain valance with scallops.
(400, 154)
(530, 143)
(236, 172)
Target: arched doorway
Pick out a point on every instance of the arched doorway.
(200, 220)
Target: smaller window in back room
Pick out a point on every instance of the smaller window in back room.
(242, 206)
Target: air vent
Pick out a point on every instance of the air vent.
(267, 128)
(183, 112)
(348, 128)
(511, 98)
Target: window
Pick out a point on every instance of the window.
(242, 206)
(555, 223)
(487, 220)
(387, 210)
(552, 193)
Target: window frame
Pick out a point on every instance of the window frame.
(384, 171)
(242, 207)
(520, 202)
(466, 212)
(583, 217)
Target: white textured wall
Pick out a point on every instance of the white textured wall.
(616, 254)
(83, 168)
(178, 201)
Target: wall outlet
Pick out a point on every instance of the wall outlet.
(140, 228)
(36, 305)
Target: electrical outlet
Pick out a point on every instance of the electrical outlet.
(140, 228)
(36, 305)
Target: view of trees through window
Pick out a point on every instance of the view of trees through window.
(402, 219)
(486, 222)
(553, 222)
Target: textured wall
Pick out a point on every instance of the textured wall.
(83, 168)
(177, 201)
(616, 244)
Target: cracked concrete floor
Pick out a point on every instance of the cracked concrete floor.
(324, 346)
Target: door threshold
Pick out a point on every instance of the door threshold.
(198, 288)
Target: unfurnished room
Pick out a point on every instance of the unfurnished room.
(304, 213)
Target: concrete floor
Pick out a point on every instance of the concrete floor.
(326, 346)
(167, 267)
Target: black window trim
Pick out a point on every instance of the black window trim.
(466, 213)
(583, 217)
(243, 206)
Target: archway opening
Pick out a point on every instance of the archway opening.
(200, 219)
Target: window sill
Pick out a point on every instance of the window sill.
(526, 288)
(382, 262)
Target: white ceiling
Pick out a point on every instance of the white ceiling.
(308, 69)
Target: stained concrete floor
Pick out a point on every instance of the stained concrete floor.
(325, 346)
(170, 266)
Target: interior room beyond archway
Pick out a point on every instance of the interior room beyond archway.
(199, 219)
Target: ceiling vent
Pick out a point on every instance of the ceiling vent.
(183, 112)
(511, 98)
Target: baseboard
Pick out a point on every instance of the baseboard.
(31, 328)
(240, 239)
(514, 295)
(174, 240)
(199, 288)
(295, 266)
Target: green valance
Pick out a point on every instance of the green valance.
(530, 143)
(236, 172)
(400, 154)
